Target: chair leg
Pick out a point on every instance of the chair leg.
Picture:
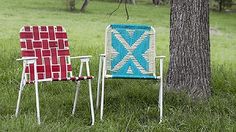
(22, 84)
(77, 89)
(37, 102)
(103, 82)
(76, 97)
(161, 90)
(161, 100)
(37, 92)
(19, 97)
(90, 94)
(99, 82)
(91, 102)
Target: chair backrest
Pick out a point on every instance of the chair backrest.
(130, 51)
(50, 45)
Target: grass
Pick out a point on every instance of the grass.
(127, 107)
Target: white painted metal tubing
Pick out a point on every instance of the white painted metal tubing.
(161, 90)
(81, 57)
(77, 89)
(99, 81)
(104, 72)
(103, 82)
(36, 91)
(21, 89)
(90, 93)
(27, 58)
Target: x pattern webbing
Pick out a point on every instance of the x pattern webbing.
(130, 52)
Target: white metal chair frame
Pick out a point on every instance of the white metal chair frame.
(102, 75)
(33, 60)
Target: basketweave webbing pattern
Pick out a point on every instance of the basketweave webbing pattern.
(50, 45)
(130, 51)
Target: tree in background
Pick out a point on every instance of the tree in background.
(189, 67)
(82, 9)
(126, 1)
(71, 5)
(156, 2)
(222, 4)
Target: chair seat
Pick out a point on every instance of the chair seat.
(133, 77)
(73, 78)
(81, 78)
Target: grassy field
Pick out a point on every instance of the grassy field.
(127, 107)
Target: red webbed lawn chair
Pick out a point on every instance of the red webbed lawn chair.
(46, 49)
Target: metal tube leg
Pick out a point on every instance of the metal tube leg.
(37, 93)
(99, 82)
(91, 102)
(161, 100)
(103, 81)
(76, 97)
(77, 89)
(161, 90)
(18, 100)
(90, 94)
(37, 102)
(21, 89)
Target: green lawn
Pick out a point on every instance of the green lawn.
(127, 107)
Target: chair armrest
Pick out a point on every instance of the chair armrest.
(27, 58)
(102, 55)
(160, 57)
(161, 65)
(81, 57)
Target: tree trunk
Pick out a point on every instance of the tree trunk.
(71, 4)
(220, 5)
(82, 9)
(127, 1)
(156, 2)
(132, 2)
(189, 67)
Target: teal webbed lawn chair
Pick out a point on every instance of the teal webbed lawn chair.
(129, 53)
